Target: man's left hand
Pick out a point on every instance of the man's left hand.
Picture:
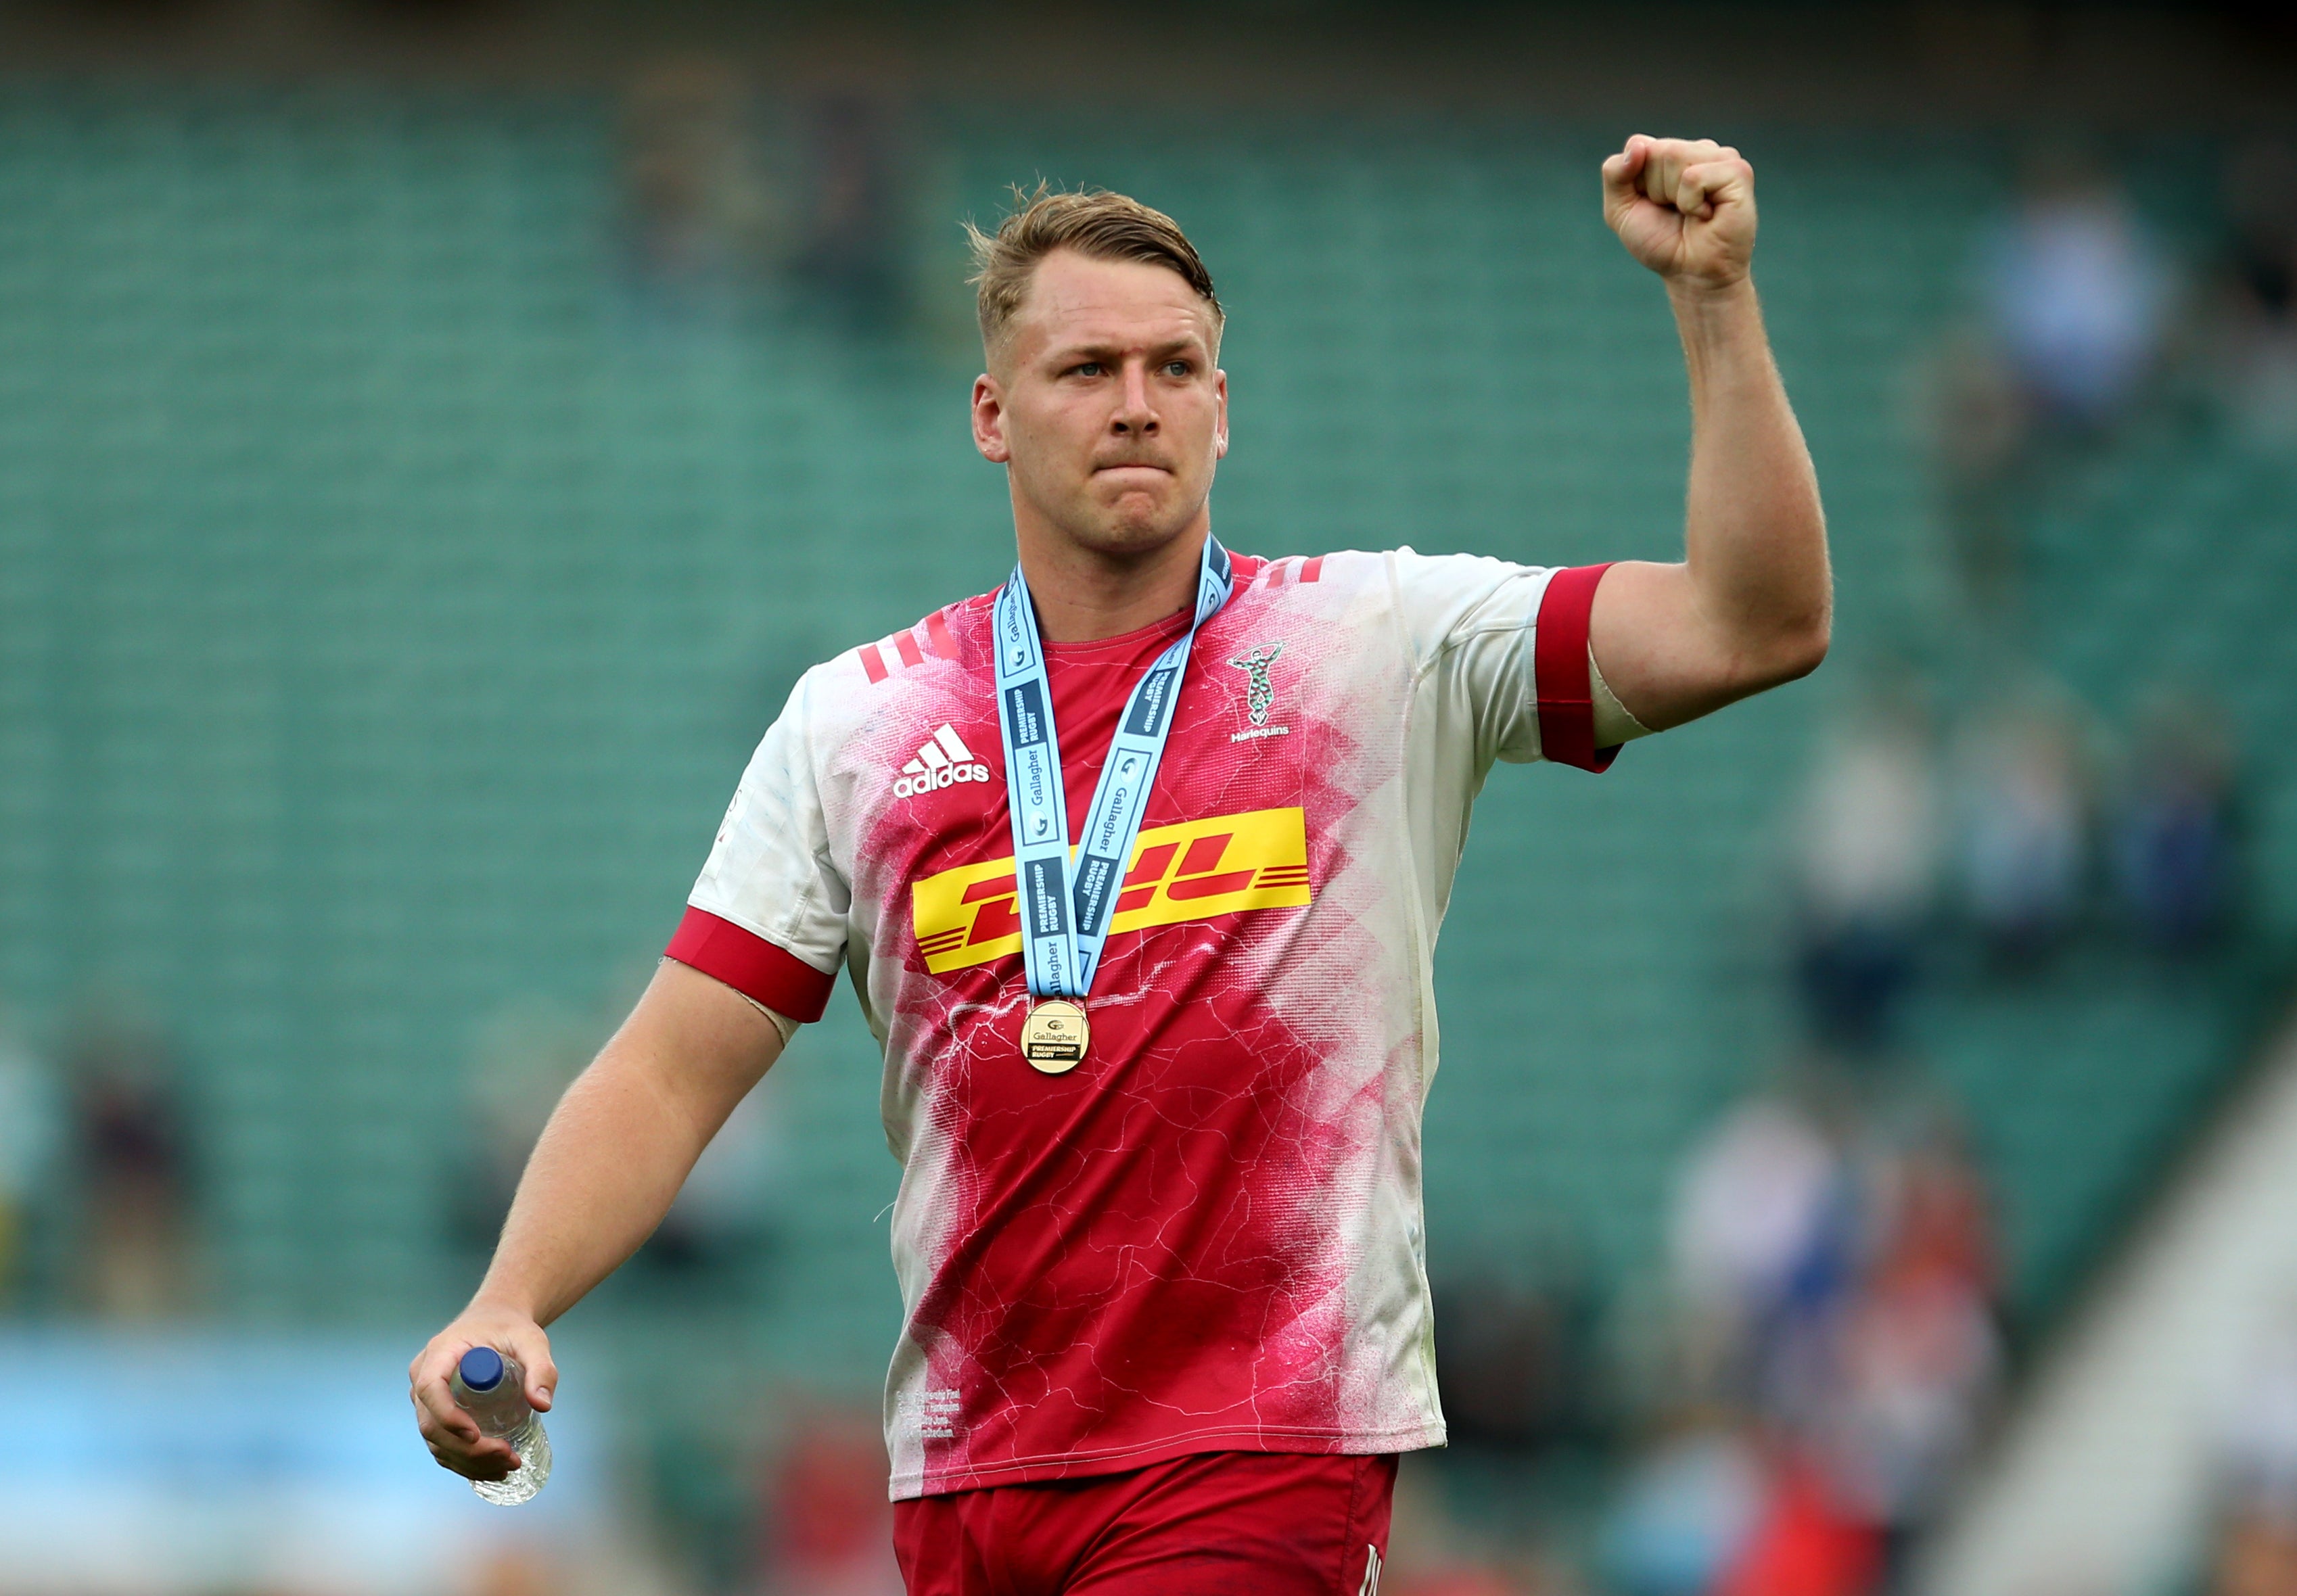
(1684, 206)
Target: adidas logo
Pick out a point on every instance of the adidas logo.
(942, 762)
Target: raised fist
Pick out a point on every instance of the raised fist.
(1684, 206)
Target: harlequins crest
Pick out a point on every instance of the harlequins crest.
(1259, 695)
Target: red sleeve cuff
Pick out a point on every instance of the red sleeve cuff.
(1558, 660)
(750, 965)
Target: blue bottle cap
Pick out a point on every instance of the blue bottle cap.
(483, 1369)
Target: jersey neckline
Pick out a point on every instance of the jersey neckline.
(1161, 632)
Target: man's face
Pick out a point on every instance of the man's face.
(1103, 401)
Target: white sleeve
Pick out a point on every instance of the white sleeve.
(1469, 620)
(1505, 649)
(768, 915)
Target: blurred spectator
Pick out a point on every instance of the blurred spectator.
(702, 217)
(2075, 293)
(1869, 859)
(2022, 820)
(1837, 1265)
(2075, 304)
(2260, 279)
(1917, 1353)
(31, 1132)
(1756, 1231)
(133, 1146)
(720, 199)
(2172, 844)
(1981, 424)
(829, 1530)
(852, 254)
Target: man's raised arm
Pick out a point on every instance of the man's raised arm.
(618, 1146)
(1751, 602)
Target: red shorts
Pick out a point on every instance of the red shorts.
(1211, 1524)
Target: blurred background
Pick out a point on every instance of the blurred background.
(434, 433)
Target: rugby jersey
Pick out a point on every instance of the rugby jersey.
(1207, 1235)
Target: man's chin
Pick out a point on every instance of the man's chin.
(1126, 531)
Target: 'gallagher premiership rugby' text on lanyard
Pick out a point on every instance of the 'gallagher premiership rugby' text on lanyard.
(1063, 926)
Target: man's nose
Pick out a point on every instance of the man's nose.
(1134, 414)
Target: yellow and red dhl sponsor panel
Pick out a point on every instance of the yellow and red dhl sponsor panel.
(1191, 871)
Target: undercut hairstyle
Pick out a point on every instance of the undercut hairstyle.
(1096, 224)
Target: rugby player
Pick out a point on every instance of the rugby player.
(1136, 866)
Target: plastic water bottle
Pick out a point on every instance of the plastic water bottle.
(492, 1389)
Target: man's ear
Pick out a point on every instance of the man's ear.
(988, 421)
(1220, 423)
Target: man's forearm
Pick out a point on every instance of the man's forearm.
(623, 1140)
(600, 1178)
(1752, 604)
(1755, 536)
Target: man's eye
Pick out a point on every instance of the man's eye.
(1178, 369)
(1090, 368)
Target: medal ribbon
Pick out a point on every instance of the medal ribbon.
(1065, 920)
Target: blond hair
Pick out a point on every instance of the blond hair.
(1093, 222)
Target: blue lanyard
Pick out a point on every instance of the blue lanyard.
(1063, 926)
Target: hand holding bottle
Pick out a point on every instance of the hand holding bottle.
(459, 1439)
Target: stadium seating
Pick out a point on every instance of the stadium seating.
(388, 599)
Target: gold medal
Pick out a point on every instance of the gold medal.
(1053, 1037)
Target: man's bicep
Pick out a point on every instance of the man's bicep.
(1659, 651)
(708, 1042)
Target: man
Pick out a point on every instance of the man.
(1137, 866)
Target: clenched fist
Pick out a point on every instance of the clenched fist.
(1684, 206)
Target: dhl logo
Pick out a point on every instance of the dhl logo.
(1188, 872)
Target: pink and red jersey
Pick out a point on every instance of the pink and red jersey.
(1207, 1235)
